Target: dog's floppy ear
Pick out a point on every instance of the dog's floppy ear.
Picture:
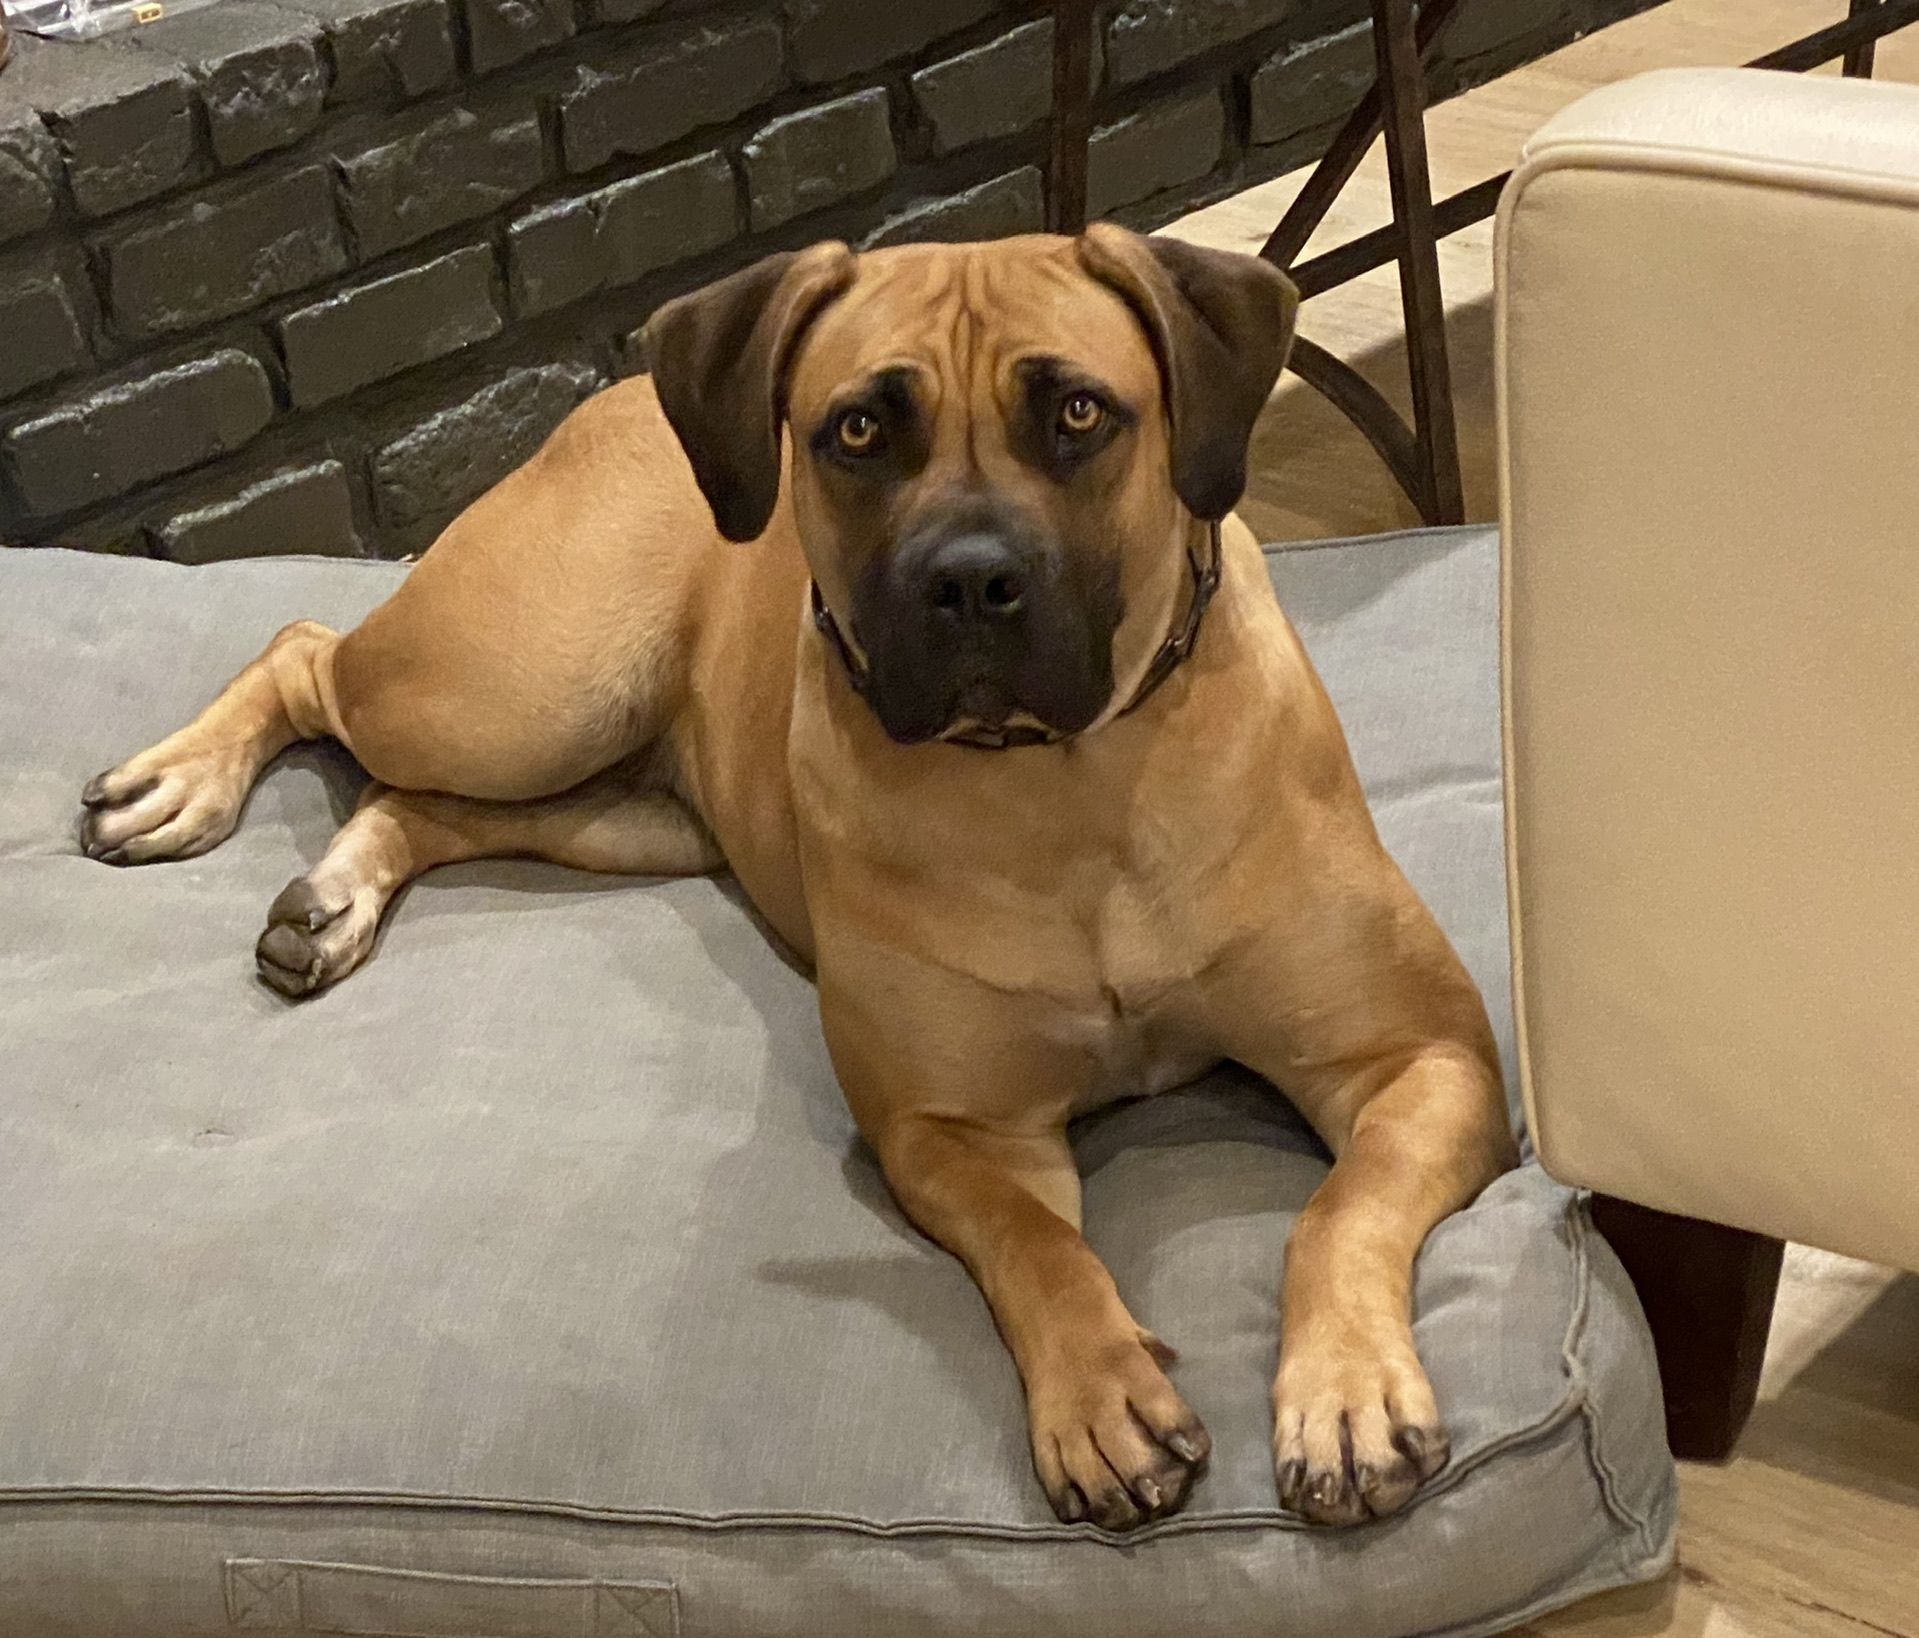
(1221, 324)
(720, 359)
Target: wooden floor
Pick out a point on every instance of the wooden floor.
(1812, 1531)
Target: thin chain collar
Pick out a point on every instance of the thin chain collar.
(1172, 654)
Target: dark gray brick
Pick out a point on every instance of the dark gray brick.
(818, 157)
(833, 38)
(1309, 85)
(305, 509)
(123, 119)
(451, 168)
(109, 536)
(499, 32)
(222, 253)
(1155, 149)
(1147, 37)
(598, 13)
(1486, 25)
(706, 74)
(554, 256)
(29, 162)
(423, 478)
(620, 233)
(118, 437)
(41, 335)
(374, 330)
(258, 68)
(1495, 36)
(993, 90)
(1009, 204)
(384, 50)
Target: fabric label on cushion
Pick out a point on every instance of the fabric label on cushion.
(367, 1601)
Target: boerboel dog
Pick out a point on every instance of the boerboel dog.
(999, 724)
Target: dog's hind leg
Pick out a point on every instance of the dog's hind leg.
(184, 795)
(322, 925)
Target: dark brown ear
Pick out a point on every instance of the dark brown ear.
(720, 359)
(1221, 324)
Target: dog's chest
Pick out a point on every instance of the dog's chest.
(1136, 1030)
(1134, 1057)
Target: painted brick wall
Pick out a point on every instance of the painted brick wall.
(309, 275)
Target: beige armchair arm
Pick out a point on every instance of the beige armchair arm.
(1708, 339)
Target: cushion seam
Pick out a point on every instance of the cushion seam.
(1575, 1401)
(1294, 548)
(800, 1521)
(1579, 1229)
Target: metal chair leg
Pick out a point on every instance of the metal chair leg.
(1071, 132)
(1402, 88)
(1858, 60)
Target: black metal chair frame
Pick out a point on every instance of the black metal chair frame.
(1423, 457)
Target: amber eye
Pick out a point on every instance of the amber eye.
(859, 433)
(1080, 414)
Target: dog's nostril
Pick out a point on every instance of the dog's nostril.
(948, 594)
(1003, 592)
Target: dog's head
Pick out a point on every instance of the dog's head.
(998, 453)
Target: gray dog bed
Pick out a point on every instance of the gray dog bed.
(534, 1283)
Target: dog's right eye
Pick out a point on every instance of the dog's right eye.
(858, 433)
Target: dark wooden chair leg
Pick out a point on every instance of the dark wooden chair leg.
(1708, 1292)
(1071, 133)
(1402, 91)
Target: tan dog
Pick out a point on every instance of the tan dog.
(1004, 468)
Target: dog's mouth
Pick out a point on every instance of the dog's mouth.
(996, 727)
(983, 711)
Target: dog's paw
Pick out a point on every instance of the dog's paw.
(1356, 1430)
(158, 806)
(1113, 1442)
(316, 934)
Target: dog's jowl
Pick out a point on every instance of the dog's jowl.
(908, 587)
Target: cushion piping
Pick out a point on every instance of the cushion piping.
(1575, 1402)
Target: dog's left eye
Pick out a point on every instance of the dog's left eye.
(1080, 414)
(858, 432)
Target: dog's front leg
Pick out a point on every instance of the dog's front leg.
(1112, 1439)
(988, 1175)
(1358, 1008)
(1356, 1428)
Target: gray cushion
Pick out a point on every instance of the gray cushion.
(533, 1281)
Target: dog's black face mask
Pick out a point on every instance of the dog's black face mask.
(976, 621)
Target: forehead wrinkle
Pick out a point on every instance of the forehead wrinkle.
(972, 354)
(1003, 289)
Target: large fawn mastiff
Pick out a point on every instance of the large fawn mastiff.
(999, 724)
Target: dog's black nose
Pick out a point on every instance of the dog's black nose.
(976, 577)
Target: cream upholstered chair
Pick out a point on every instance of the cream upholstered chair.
(1708, 345)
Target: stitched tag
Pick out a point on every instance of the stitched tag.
(370, 1601)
